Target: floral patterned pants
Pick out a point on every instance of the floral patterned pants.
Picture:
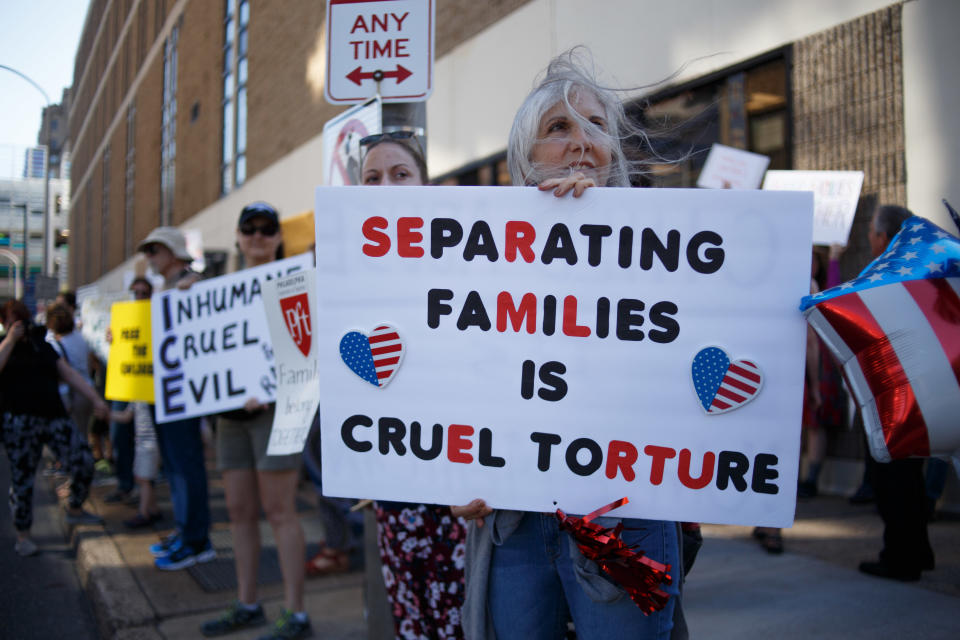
(23, 438)
(423, 549)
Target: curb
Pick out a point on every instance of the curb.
(119, 605)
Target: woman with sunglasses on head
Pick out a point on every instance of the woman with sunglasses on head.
(252, 479)
(525, 577)
(422, 546)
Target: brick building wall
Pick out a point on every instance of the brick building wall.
(848, 113)
(120, 63)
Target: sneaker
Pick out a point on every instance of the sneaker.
(84, 517)
(103, 466)
(26, 547)
(235, 617)
(186, 555)
(165, 546)
(289, 627)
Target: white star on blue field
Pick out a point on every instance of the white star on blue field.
(355, 353)
(709, 367)
(921, 250)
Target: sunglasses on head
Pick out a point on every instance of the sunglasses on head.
(390, 135)
(267, 230)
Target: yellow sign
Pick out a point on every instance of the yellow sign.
(130, 366)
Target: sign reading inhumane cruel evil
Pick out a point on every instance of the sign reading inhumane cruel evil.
(211, 346)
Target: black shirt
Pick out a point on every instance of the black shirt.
(28, 382)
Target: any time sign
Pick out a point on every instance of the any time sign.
(390, 41)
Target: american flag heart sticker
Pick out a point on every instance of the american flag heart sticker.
(375, 358)
(723, 385)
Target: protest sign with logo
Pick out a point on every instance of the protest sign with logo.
(288, 303)
(732, 168)
(130, 366)
(543, 353)
(95, 320)
(211, 345)
(835, 196)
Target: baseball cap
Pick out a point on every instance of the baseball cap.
(261, 210)
(170, 237)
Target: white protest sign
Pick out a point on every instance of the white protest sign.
(211, 345)
(835, 196)
(288, 302)
(386, 40)
(541, 352)
(341, 142)
(95, 320)
(732, 168)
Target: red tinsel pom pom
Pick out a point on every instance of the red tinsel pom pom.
(627, 566)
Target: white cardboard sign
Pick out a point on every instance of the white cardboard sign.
(211, 345)
(732, 168)
(835, 196)
(387, 39)
(542, 353)
(288, 302)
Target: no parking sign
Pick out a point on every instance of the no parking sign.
(385, 41)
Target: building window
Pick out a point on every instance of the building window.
(746, 107)
(105, 216)
(128, 182)
(168, 140)
(233, 168)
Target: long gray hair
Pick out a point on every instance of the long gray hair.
(568, 74)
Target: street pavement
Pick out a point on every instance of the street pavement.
(735, 590)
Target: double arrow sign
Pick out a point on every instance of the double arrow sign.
(358, 75)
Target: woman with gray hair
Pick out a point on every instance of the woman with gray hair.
(525, 577)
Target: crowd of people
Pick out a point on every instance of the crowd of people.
(449, 571)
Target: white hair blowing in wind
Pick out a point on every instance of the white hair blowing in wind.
(568, 74)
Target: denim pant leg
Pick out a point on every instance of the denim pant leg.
(181, 446)
(121, 435)
(525, 597)
(622, 619)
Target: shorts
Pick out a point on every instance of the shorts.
(242, 444)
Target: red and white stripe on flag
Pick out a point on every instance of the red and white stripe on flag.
(739, 385)
(386, 349)
(899, 346)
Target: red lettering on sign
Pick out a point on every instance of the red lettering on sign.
(407, 237)
(660, 456)
(458, 443)
(381, 240)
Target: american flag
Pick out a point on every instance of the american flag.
(722, 385)
(375, 358)
(895, 330)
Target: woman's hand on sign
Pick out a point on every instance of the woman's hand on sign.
(476, 510)
(252, 405)
(561, 186)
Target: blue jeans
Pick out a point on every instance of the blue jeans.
(181, 449)
(533, 588)
(121, 435)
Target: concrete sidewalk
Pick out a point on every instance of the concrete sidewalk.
(812, 591)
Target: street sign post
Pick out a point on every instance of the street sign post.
(379, 44)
